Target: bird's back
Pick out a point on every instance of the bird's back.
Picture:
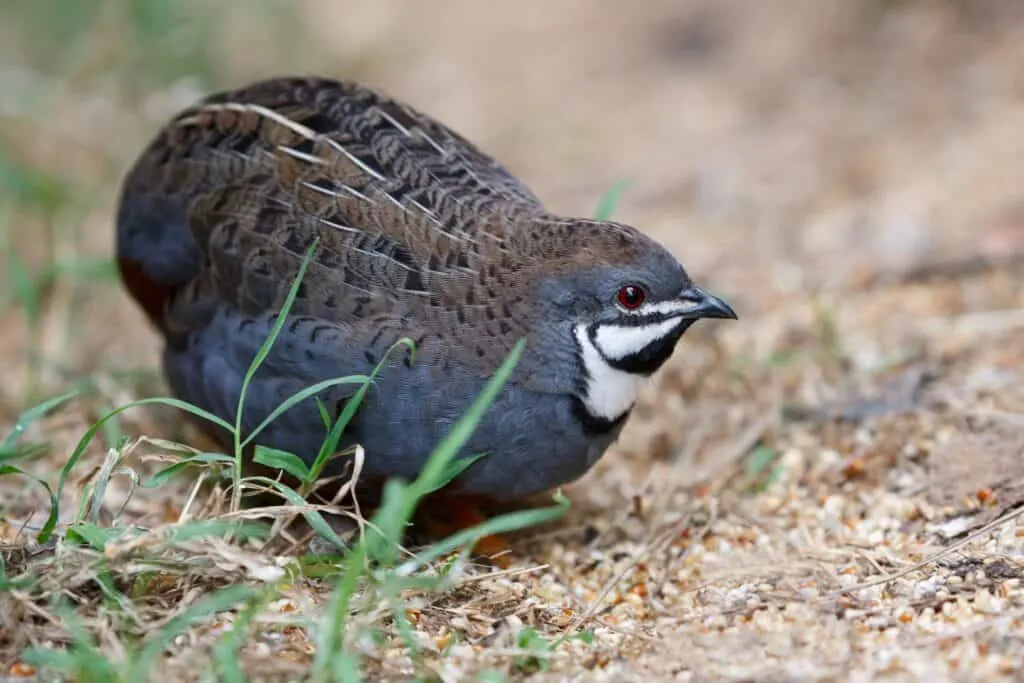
(225, 202)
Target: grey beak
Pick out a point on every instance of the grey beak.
(707, 305)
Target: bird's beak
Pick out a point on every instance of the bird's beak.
(704, 305)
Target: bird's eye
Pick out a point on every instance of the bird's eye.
(631, 297)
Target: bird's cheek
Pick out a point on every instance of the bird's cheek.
(618, 342)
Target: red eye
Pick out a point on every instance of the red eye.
(631, 296)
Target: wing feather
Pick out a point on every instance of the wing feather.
(232, 193)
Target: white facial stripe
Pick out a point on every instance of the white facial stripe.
(664, 307)
(618, 341)
(610, 392)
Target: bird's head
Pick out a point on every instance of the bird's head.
(623, 301)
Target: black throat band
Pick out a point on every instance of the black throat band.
(596, 425)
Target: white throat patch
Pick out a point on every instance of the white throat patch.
(611, 392)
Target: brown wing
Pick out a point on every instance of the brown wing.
(226, 201)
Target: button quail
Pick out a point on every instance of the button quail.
(421, 235)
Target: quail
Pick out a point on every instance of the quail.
(419, 234)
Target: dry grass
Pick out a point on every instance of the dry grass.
(826, 490)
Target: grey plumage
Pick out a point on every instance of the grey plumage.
(421, 235)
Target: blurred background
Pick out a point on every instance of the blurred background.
(785, 150)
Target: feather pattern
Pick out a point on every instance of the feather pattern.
(412, 219)
(419, 234)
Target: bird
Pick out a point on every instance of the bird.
(411, 232)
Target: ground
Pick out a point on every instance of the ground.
(825, 490)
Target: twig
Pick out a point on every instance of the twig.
(928, 560)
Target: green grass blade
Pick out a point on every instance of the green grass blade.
(437, 464)
(300, 396)
(345, 667)
(26, 289)
(155, 644)
(100, 481)
(281, 460)
(331, 629)
(512, 521)
(610, 200)
(400, 501)
(455, 468)
(225, 652)
(92, 535)
(51, 519)
(254, 366)
(90, 433)
(392, 593)
(34, 414)
(164, 475)
(330, 445)
(207, 528)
